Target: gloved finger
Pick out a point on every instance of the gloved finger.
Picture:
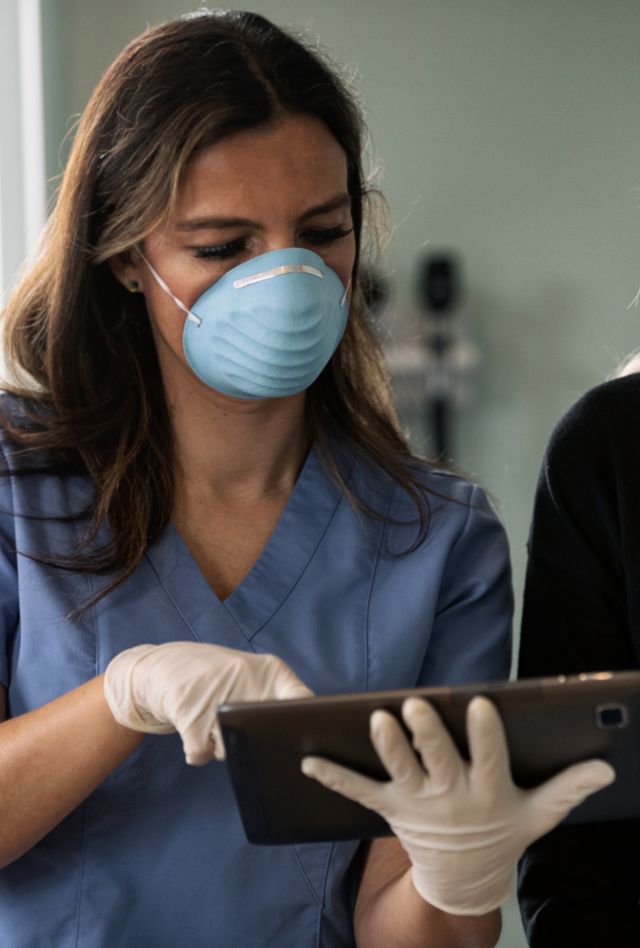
(283, 681)
(395, 752)
(556, 797)
(198, 758)
(431, 739)
(289, 689)
(216, 742)
(349, 783)
(488, 750)
(202, 744)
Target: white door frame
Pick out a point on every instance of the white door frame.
(22, 153)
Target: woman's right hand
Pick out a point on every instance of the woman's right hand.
(179, 686)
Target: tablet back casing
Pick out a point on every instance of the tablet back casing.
(550, 723)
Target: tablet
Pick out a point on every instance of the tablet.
(550, 723)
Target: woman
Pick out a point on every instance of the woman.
(580, 886)
(206, 473)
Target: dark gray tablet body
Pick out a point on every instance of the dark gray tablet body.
(550, 723)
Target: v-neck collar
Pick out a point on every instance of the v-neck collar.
(282, 561)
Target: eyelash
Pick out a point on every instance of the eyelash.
(219, 252)
(318, 237)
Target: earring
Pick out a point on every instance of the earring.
(133, 286)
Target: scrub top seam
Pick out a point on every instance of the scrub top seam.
(6, 663)
(171, 599)
(89, 583)
(306, 878)
(324, 894)
(12, 483)
(374, 571)
(304, 570)
(177, 608)
(463, 529)
(87, 801)
(83, 862)
(470, 507)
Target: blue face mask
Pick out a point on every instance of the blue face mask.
(268, 327)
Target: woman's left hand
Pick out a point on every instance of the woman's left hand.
(464, 824)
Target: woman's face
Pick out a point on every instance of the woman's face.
(258, 191)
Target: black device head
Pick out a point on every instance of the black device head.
(439, 283)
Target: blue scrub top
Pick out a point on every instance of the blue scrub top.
(156, 857)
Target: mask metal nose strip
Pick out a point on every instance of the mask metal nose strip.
(277, 271)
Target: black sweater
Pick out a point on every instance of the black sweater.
(580, 886)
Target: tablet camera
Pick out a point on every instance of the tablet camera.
(611, 715)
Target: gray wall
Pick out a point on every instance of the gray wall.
(507, 130)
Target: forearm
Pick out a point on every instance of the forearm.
(396, 916)
(50, 761)
(389, 911)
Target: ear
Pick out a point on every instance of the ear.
(126, 270)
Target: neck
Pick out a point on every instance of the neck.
(239, 450)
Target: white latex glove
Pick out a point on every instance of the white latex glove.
(463, 824)
(179, 686)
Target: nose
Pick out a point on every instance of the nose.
(280, 239)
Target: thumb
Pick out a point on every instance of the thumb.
(555, 798)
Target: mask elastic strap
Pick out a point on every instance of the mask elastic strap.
(346, 292)
(192, 316)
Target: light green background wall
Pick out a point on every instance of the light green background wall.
(508, 130)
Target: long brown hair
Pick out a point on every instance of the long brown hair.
(98, 403)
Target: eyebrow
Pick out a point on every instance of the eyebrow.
(222, 223)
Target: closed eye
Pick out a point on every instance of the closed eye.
(326, 235)
(220, 251)
(317, 236)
